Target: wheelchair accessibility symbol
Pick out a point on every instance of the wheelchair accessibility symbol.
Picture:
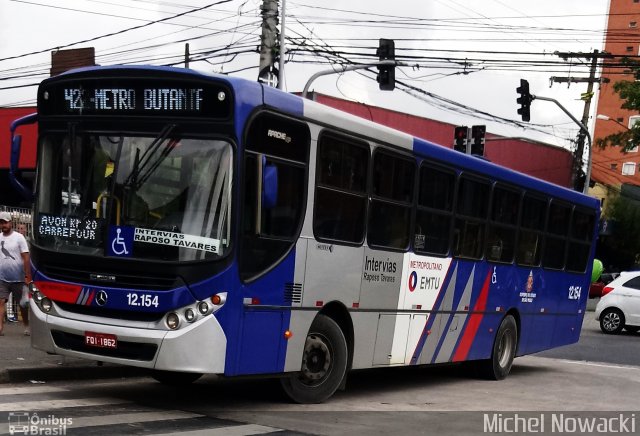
(120, 241)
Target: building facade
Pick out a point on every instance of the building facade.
(611, 168)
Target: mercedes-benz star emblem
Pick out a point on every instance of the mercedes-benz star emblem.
(101, 298)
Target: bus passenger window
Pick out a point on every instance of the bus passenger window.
(555, 242)
(501, 233)
(534, 212)
(582, 227)
(341, 189)
(471, 214)
(391, 201)
(434, 210)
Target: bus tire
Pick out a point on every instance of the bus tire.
(175, 378)
(503, 351)
(324, 364)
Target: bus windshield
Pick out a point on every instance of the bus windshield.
(167, 197)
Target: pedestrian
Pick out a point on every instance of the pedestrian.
(24, 301)
(15, 268)
(22, 229)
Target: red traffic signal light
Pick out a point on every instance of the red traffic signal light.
(460, 135)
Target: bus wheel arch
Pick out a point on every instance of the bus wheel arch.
(326, 359)
(339, 313)
(505, 346)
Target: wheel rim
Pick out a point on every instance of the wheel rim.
(505, 345)
(316, 361)
(611, 321)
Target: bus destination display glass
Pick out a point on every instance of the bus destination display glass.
(136, 97)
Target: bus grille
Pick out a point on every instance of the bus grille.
(155, 282)
(293, 292)
(126, 350)
(128, 315)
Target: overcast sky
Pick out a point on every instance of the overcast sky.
(461, 52)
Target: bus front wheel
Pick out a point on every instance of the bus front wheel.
(324, 364)
(503, 352)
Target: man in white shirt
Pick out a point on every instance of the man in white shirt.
(15, 267)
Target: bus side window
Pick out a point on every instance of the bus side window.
(582, 227)
(341, 189)
(501, 232)
(434, 210)
(391, 200)
(534, 211)
(471, 214)
(555, 241)
(270, 230)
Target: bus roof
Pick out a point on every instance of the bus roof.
(246, 90)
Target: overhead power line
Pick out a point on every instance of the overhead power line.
(118, 32)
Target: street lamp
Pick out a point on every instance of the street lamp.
(608, 118)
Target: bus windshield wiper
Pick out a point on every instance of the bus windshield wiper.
(142, 162)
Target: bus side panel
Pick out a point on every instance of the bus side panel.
(539, 299)
(262, 344)
(572, 304)
(494, 288)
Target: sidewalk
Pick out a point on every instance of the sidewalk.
(19, 362)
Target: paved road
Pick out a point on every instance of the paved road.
(595, 346)
(444, 400)
(405, 401)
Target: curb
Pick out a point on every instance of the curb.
(83, 372)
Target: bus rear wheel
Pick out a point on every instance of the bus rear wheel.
(324, 364)
(503, 352)
(175, 378)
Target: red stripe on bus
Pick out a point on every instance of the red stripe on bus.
(63, 292)
(474, 323)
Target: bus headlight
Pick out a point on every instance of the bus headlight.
(203, 307)
(37, 295)
(173, 321)
(45, 304)
(189, 315)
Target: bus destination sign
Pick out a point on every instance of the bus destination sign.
(153, 99)
(136, 97)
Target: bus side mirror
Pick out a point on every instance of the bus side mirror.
(269, 186)
(16, 144)
(14, 161)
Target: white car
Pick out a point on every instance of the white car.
(619, 306)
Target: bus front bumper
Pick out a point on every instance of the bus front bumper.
(199, 347)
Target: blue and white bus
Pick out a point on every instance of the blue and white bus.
(202, 224)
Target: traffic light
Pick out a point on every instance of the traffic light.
(524, 100)
(386, 73)
(477, 140)
(460, 139)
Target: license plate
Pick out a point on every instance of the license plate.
(103, 340)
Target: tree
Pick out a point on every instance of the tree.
(623, 246)
(629, 92)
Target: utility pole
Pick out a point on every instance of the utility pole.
(281, 52)
(268, 73)
(186, 55)
(577, 173)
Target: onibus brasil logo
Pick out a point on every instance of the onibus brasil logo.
(25, 423)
